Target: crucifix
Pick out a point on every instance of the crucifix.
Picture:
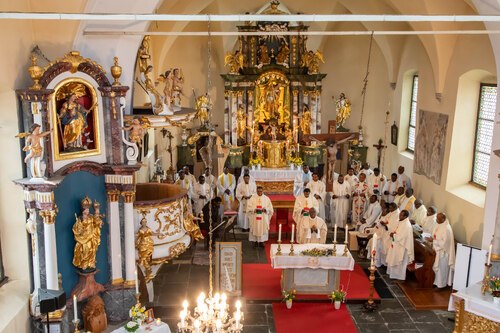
(379, 147)
(331, 140)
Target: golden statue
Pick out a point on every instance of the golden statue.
(242, 122)
(191, 226)
(234, 61)
(311, 60)
(305, 122)
(136, 131)
(143, 55)
(72, 119)
(343, 107)
(33, 145)
(87, 231)
(264, 55)
(145, 245)
(203, 106)
(283, 53)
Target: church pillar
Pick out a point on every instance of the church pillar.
(115, 245)
(130, 265)
(31, 227)
(234, 124)
(295, 110)
(49, 233)
(226, 117)
(314, 111)
(250, 115)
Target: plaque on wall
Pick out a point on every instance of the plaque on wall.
(228, 268)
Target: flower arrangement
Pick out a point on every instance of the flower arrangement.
(137, 313)
(296, 160)
(131, 326)
(288, 295)
(255, 161)
(315, 252)
(337, 295)
(495, 285)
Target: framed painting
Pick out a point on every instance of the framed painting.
(228, 268)
(394, 134)
(75, 120)
(150, 317)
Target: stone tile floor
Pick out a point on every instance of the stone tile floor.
(181, 280)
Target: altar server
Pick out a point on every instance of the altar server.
(401, 252)
(407, 201)
(318, 190)
(301, 180)
(376, 183)
(339, 205)
(201, 194)
(359, 199)
(370, 216)
(301, 208)
(429, 222)
(444, 245)
(391, 188)
(244, 192)
(379, 230)
(226, 184)
(260, 211)
(389, 223)
(313, 229)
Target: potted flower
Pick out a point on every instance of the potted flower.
(288, 297)
(297, 161)
(137, 314)
(253, 162)
(495, 288)
(337, 297)
(131, 326)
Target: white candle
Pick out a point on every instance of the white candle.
(346, 236)
(136, 283)
(75, 308)
(293, 231)
(298, 148)
(196, 325)
(279, 233)
(158, 322)
(335, 234)
(374, 242)
(489, 254)
(183, 317)
(185, 305)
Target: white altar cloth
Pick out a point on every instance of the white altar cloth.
(285, 261)
(272, 174)
(151, 328)
(477, 303)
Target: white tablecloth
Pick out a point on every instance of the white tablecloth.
(269, 175)
(284, 260)
(163, 328)
(479, 304)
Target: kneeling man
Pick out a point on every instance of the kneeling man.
(313, 228)
(260, 211)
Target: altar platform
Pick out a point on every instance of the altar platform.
(275, 180)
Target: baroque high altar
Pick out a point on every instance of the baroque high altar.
(272, 92)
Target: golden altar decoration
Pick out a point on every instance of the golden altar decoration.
(274, 153)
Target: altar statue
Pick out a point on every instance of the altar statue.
(191, 226)
(136, 131)
(143, 54)
(72, 119)
(177, 86)
(33, 145)
(203, 106)
(264, 55)
(87, 231)
(305, 122)
(283, 53)
(234, 61)
(311, 60)
(343, 108)
(145, 245)
(167, 79)
(242, 123)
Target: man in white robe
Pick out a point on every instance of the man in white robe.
(407, 203)
(301, 180)
(351, 178)
(260, 210)
(313, 229)
(339, 204)
(201, 195)
(359, 199)
(400, 253)
(376, 183)
(226, 184)
(418, 215)
(366, 170)
(246, 171)
(189, 175)
(391, 188)
(388, 225)
(370, 216)
(318, 190)
(400, 196)
(210, 180)
(444, 245)
(429, 222)
(244, 192)
(184, 182)
(303, 203)
(379, 230)
(403, 178)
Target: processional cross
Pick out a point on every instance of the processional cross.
(379, 147)
(331, 140)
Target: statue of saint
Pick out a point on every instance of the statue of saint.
(234, 61)
(343, 107)
(73, 121)
(311, 60)
(305, 122)
(242, 123)
(203, 106)
(283, 53)
(144, 244)
(177, 86)
(33, 145)
(87, 231)
(143, 54)
(264, 55)
(167, 79)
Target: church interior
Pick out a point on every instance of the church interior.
(250, 166)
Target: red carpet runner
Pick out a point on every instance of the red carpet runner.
(312, 318)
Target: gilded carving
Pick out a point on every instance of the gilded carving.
(75, 59)
(128, 196)
(171, 216)
(466, 322)
(113, 195)
(276, 187)
(48, 216)
(144, 244)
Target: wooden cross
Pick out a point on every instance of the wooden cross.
(379, 147)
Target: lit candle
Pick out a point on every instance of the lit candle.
(293, 231)
(298, 147)
(237, 317)
(158, 322)
(185, 305)
(346, 236)
(374, 242)
(279, 233)
(335, 234)
(75, 308)
(218, 325)
(183, 317)
(196, 325)
(136, 283)
(238, 305)
(489, 254)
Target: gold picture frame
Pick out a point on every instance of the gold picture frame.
(228, 268)
(75, 120)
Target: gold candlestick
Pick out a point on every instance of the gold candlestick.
(278, 253)
(334, 249)
(291, 249)
(370, 305)
(345, 250)
(138, 298)
(486, 279)
(75, 322)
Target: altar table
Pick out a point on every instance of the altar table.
(275, 180)
(151, 328)
(310, 275)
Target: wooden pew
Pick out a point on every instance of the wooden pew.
(424, 254)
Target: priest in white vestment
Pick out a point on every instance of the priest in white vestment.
(359, 199)
(380, 231)
(391, 188)
(301, 180)
(244, 192)
(351, 178)
(246, 171)
(389, 223)
(376, 183)
(366, 170)
(313, 229)
(184, 182)
(370, 216)
(318, 190)
(444, 245)
(260, 210)
(400, 196)
(429, 222)
(339, 204)
(303, 203)
(210, 180)
(189, 175)
(403, 178)
(400, 252)
(407, 203)
(201, 194)
(418, 215)
(226, 183)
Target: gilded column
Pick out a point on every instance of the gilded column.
(295, 119)
(249, 114)
(130, 266)
(49, 236)
(115, 254)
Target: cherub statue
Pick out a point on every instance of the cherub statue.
(87, 231)
(311, 60)
(191, 226)
(305, 122)
(167, 79)
(343, 107)
(145, 245)
(234, 61)
(203, 107)
(33, 145)
(136, 131)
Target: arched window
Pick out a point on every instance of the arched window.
(413, 115)
(484, 133)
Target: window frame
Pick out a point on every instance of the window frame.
(408, 149)
(481, 85)
(3, 277)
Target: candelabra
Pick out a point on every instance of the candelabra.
(370, 305)
(278, 252)
(486, 279)
(334, 249)
(75, 322)
(345, 250)
(291, 249)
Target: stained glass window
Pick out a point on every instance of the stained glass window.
(413, 115)
(484, 133)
